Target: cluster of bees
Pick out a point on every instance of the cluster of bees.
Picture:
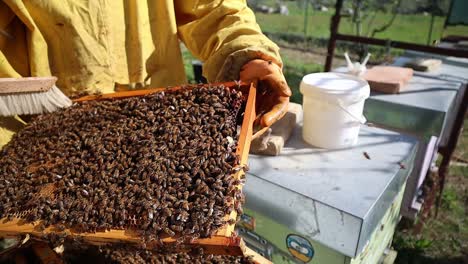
(142, 257)
(162, 164)
(124, 253)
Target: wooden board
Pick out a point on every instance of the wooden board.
(388, 79)
(26, 84)
(257, 258)
(424, 64)
(224, 242)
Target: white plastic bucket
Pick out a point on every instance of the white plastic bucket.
(333, 104)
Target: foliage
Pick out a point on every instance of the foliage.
(443, 239)
(294, 70)
(449, 199)
(363, 9)
(188, 57)
(404, 240)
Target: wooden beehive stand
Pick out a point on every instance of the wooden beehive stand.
(224, 242)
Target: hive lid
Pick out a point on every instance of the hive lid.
(330, 84)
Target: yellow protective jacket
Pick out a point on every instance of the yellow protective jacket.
(94, 45)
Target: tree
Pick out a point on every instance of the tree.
(395, 10)
(363, 10)
(369, 9)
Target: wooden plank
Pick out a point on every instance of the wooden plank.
(45, 253)
(143, 92)
(257, 258)
(217, 244)
(26, 84)
(243, 145)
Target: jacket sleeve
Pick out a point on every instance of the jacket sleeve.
(23, 50)
(9, 38)
(224, 35)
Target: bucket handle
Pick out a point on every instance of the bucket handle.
(361, 120)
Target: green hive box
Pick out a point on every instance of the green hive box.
(311, 205)
(280, 244)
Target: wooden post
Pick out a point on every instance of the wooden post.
(335, 22)
(306, 17)
(429, 37)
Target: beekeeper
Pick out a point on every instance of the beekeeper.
(104, 46)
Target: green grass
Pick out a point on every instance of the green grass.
(294, 70)
(188, 57)
(443, 239)
(318, 24)
(408, 28)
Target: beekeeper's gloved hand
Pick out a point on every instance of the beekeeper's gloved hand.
(272, 92)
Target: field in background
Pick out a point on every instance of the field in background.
(408, 28)
(297, 62)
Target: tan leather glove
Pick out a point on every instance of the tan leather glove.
(273, 91)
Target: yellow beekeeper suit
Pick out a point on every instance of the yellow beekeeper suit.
(95, 45)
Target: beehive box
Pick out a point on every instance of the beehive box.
(223, 242)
